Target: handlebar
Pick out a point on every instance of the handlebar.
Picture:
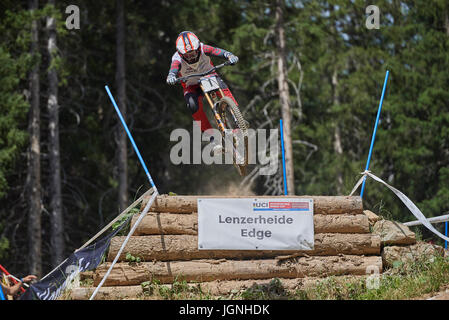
(227, 63)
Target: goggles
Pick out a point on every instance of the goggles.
(191, 55)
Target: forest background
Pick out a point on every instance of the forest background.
(65, 166)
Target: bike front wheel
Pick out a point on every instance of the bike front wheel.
(233, 120)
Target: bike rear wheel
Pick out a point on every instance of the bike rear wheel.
(232, 119)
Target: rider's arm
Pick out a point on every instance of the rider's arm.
(217, 52)
(174, 69)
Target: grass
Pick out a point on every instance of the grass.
(418, 233)
(382, 211)
(178, 290)
(88, 282)
(401, 282)
(271, 291)
(125, 217)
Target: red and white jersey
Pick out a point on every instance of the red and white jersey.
(204, 64)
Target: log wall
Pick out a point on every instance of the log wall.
(167, 242)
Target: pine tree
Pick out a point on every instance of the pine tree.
(56, 205)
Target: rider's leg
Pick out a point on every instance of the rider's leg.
(195, 104)
(200, 115)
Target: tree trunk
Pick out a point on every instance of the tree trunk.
(446, 23)
(337, 135)
(121, 89)
(284, 95)
(321, 204)
(56, 216)
(108, 293)
(124, 274)
(185, 247)
(34, 164)
(172, 223)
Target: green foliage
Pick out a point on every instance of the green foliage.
(271, 291)
(131, 258)
(88, 282)
(423, 276)
(179, 289)
(4, 246)
(122, 220)
(14, 64)
(418, 232)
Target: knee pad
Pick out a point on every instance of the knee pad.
(192, 102)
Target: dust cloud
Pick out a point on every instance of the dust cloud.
(227, 189)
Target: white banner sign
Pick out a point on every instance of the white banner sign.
(255, 224)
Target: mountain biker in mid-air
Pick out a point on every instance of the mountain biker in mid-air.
(192, 56)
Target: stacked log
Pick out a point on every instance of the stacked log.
(185, 247)
(125, 274)
(158, 223)
(108, 293)
(166, 241)
(321, 204)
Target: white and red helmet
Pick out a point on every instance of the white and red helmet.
(188, 47)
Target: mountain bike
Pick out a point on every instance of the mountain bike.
(227, 115)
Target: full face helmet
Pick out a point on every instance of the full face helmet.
(188, 46)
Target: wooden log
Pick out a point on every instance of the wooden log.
(227, 287)
(172, 223)
(125, 274)
(322, 204)
(185, 247)
(167, 223)
(341, 223)
(107, 293)
(214, 288)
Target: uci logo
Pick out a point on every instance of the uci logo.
(260, 205)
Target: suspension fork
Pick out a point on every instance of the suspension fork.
(218, 119)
